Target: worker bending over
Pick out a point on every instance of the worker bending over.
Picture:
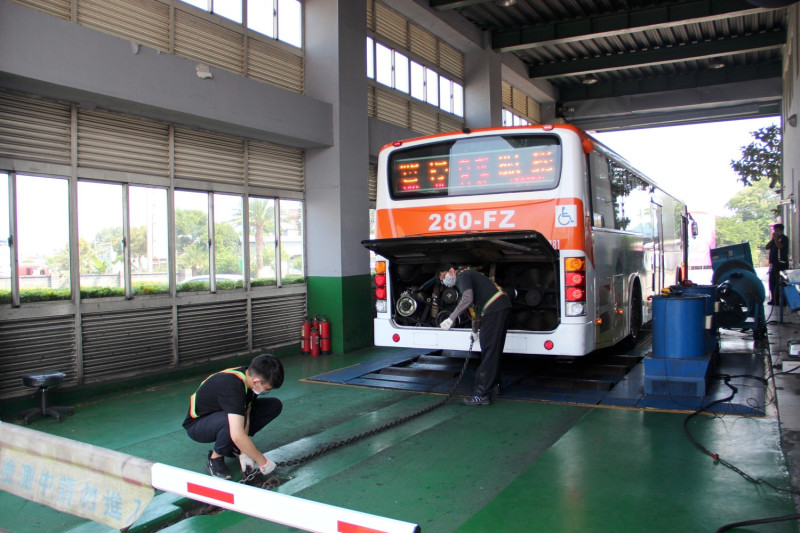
(229, 408)
(490, 309)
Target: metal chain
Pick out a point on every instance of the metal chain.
(374, 431)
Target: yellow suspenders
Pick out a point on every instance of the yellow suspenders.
(233, 371)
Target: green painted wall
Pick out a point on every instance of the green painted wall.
(347, 303)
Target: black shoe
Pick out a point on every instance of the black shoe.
(477, 400)
(217, 467)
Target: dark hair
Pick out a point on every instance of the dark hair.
(444, 267)
(778, 226)
(268, 367)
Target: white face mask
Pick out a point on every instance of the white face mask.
(449, 280)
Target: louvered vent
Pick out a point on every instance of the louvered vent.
(144, 21)
(424, 119)
(277, 321)
(280, 167)
(35, 344)
(208, 156)
(33, 129)
(122, 142)
(277, 67)
(58, 8)
(204, 41)
(119, 343)
(211, 331)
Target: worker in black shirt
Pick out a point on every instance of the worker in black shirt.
(778, 247)
(490, 308)
(229, 408)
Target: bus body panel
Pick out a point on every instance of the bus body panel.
(624, 231)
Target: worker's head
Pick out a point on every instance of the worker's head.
(778, 228)
(446, 273)
(265, 372)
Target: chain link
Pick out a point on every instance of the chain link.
(374, 431)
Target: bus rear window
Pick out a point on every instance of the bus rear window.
(476, 165)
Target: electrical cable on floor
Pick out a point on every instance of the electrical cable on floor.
(757, 521)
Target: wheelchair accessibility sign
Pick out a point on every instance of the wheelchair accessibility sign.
(566, 216)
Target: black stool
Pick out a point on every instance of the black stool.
(43, 380)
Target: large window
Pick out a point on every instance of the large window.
(100, 238)
(191, 239)
(279, 19)
(228, 239)
(394, 69)
(291, 241)
(42, 237)
(148, 240)
(263, 243)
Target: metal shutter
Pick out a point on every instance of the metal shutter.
(58, 8)
(34, 129)
(35, 344)
(210, 43)
(373, 183)
(424, 44)
(390, 24)
(391, 107)
(371, 101)
(519, 102)
(424, 119)
(279, 167)
(534, 111)
(507, 95)
(207, 156)
(451, 60)
(144, 21)
(123, 342)
(277, 67)
(277, 321)
(212, 331)
(122, 142)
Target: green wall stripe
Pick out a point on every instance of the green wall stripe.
(347, 303)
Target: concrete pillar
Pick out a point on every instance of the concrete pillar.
(483, 88)
(337, 202)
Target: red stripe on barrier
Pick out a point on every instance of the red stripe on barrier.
(200, 490)
(344, 527)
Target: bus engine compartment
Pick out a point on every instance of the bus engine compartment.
(522, 263)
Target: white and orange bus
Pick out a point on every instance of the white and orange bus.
(572, 232)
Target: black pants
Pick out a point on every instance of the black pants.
(494, 327)
(215, 428)
(775, 285)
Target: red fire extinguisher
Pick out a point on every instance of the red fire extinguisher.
(324, 335)
(314, 342)
(305, 336)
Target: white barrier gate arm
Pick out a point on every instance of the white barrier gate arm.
(114, 488)
(273, 506)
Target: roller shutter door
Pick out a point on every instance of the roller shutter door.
(34, 129)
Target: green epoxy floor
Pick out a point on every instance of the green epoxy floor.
(513, 466)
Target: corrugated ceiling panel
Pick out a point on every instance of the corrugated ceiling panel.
(275, 66)
(34, 129)
(277, 321)
(123, 143)
(117, 343)
(209, 331)
(32, 345)
(58, 8)
(207, 42)
(280, 167)
(391, 108)
(208, 156)
(144, 21)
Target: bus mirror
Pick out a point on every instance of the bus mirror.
(694, 229)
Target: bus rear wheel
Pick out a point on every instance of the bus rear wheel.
(635, 316)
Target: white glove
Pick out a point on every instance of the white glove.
(474, 336)
(267, 467)
(447, 324)
(248, 465)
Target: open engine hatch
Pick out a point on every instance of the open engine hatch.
(500, 247)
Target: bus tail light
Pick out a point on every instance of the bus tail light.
(380, 286)
(575, 286)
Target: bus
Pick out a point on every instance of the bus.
(576, 236)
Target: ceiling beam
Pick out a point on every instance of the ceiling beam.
(707, 78)
(444, 5)
(620, 22)
(660, 56)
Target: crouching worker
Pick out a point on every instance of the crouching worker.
(231, 406)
